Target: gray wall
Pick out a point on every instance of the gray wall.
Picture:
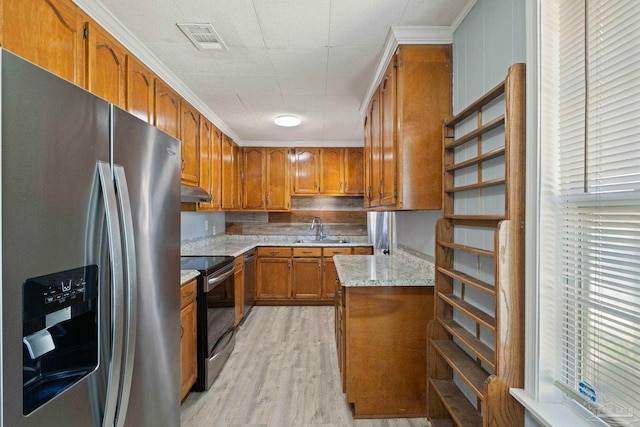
(192, 224)
(415, 230)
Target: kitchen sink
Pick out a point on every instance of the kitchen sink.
(321, 242)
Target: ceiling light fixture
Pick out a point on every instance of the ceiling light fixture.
(287, 120)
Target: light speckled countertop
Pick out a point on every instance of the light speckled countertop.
(400, 269)
(187, 275)
(236, 245)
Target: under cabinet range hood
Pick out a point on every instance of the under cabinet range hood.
(193, 194)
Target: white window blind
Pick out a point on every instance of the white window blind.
(597, 191)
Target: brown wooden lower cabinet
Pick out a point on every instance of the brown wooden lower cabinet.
(299, 275)
(381, 336)
(188, 361)
(238, 287)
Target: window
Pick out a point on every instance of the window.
(590, 206)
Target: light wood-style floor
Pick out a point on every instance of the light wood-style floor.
(282, 373)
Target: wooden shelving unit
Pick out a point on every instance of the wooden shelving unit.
(476, 340)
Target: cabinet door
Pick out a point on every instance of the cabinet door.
(332, 171)
(189, 136)
(306, 171)
(274, 278)
(278, 175)
(329, 278)
(238, 280)
(167, 109)
(139, 90)
(228, 196)
(306, 279)
(376, 150)
(206, 135)
(388, 156)
(254, 178)
(367, 157)
(106, 66)
(238, 172)
(354, 171)
(47, 33)
(188, 361)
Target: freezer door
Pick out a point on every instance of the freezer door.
(53, 135)
(151, 160)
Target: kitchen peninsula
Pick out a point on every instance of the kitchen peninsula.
(382, 308)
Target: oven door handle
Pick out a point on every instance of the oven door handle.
(220, 276)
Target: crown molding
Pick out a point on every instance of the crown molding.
(105, 18)
(404, 35)
(463, 14)
(292, 144)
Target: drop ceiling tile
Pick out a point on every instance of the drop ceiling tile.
(184, 58)
(342, 103)
(304, 84)
(234, 20)
(223, 103)
(299, 61)
(244, 61)
(353, 60)
(255, 85)
(304, 103)
(294, 23)
(149, 20)
(428, 12)
(263, 103)
(363, 22)
(207, 84)
(347, 85)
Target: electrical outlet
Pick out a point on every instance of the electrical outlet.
(206, 225)
(213, 229)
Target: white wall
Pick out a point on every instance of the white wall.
(415, 230)
(193, 224)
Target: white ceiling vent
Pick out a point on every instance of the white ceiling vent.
(203, 36)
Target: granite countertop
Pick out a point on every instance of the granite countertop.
(235, 245)
(399, 269)
(188, 275)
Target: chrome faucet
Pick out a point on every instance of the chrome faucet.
(320, 230)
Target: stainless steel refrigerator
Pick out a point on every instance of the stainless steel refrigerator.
(90, 231)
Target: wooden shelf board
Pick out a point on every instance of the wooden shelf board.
(473, 312)
(468, 280)
(461, 410)
(489, 96)
(469, 249)
(477, 347)
(495, 123)
(483, 184)
(463, 364)
(475, 160)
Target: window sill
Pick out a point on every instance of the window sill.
(549, 414)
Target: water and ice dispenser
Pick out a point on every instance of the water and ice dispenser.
(60, 333)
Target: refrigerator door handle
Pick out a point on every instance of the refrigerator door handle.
(117, 296)
(124, 204)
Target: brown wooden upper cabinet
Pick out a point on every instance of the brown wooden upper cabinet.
(139, 90)
(228, 174)
(254, 178)
(354, 171)
(331, 171)
(167, 109)
(48, 33)
(210, 139)
(190, 137)
(403, 130)
(266, 179)
(106, 66)
(277, 186)
(306, 175)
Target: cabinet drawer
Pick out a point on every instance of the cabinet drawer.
(274, 252)
(307, 252)
(363, 250)
(336, 251)
(187, 293)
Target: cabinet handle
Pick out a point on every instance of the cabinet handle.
(187, 295)
(380, 189)
(317, 186)
(306, 252)
(289, 265)
(319, 267)
(341, 186)
(183, 165)
(181, 330)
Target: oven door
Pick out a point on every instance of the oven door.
(220, 318)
